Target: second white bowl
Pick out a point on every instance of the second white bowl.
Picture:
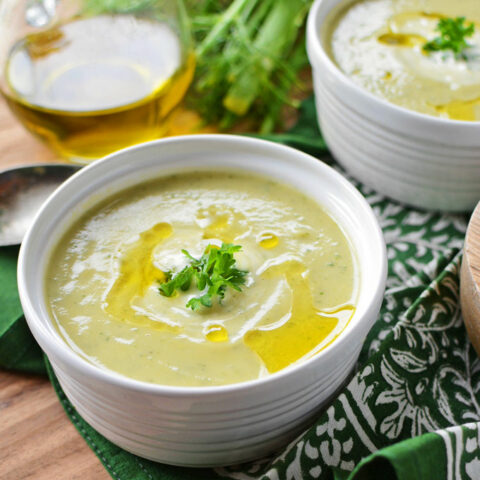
(420, 160)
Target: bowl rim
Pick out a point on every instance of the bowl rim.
(315, 48)
(63, 352)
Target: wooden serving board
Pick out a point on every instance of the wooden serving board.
(470, 280)
(37, 440)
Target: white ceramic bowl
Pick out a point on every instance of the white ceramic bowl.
(203, 426)
(417, 159)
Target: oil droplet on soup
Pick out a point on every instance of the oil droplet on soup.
(299, 293)
(216, 333)
(401, 39)
(268, 240)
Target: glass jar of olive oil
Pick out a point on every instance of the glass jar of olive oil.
(89, 77)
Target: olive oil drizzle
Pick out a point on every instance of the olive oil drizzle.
(136, 274)
(306, 328)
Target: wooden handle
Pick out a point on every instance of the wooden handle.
(470, 280)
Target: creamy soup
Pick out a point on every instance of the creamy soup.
(379, 45)
(104, 276)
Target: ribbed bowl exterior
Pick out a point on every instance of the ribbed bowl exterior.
(209, 426)
(227, 429)
(413, 158)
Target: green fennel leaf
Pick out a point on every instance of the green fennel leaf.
(453, 34)
(215, 271)
(248, 59)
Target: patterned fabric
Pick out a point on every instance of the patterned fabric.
(412, 409)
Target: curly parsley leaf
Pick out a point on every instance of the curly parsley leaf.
(453, 34)
(215, 271)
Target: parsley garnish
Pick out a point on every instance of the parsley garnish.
(453, 34)
(215, 269)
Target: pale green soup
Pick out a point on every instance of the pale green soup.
(379, 45)
(103, 278)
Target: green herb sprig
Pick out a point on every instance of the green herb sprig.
(215, 269)
(453, 34)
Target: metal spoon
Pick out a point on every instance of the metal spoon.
(23, 190)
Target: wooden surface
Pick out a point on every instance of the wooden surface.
(17, 147)
(37, 440)
(470, 280)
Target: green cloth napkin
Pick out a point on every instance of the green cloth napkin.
(411, 411)
(18, 349)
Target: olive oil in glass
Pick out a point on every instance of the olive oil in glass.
(93, 85)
